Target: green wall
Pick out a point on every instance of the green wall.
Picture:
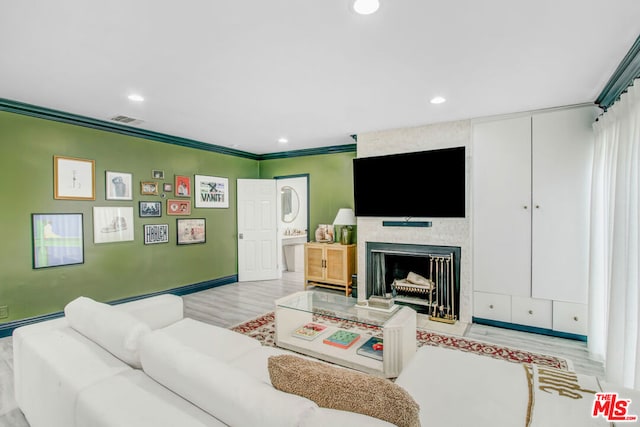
(330, 182)
(114, 271)
(111, 270)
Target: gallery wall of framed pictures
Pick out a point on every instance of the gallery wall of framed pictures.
(58, 238)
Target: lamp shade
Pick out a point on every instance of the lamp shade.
(345, 217)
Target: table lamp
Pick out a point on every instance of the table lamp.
(344, 222)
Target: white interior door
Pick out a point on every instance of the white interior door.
(257, 230)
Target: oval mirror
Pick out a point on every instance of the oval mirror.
(290, 204)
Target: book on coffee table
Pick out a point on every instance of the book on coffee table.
(309, 331)
(342, 339)
(373, 348)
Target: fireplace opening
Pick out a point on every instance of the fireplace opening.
(425, 277)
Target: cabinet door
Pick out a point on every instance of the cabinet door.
(562, 161)
(314, 262)
(336, 264)
(501, 206)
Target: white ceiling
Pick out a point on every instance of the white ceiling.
(243, 73)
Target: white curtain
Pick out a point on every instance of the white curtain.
(614, 291)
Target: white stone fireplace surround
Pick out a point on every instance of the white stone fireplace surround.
(444, 231)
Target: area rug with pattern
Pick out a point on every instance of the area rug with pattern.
(262, 328)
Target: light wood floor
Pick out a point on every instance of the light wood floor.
(232, 304)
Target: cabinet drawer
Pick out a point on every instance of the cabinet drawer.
(570, 317)
(492, 306)
(531, 312)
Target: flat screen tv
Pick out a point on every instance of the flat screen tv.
(420, 184)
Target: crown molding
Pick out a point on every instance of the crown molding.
(622, 78)
(75, 119)
(347, 148)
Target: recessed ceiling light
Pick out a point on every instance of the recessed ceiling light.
(366, 7)
(437, 100)
(283, 140)
(135, 97)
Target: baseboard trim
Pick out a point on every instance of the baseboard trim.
(532, 329)
(7, 329)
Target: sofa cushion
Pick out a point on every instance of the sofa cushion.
(324, 417)
(211, 340)
(343, 389)
(156, 311)
(225, 392)
(255, 362)
(134, 399)
(114, 330)
(52, 367)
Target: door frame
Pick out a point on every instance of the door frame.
(278, 213)
(301, 175)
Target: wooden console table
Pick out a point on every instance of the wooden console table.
(329, 265)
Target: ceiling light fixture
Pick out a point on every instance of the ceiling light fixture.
(437, 100)
(135, 97)
(283, 140)
(366, 7)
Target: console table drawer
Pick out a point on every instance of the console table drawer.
(492, 306)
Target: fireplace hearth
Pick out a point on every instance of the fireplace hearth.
(425, 277)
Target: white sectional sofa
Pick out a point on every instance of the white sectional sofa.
(143, 364)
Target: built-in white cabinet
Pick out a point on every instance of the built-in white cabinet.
(531, 187)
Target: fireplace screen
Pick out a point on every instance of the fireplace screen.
(426, 278)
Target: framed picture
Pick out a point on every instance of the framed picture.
(191, 231)
(118, 186)
(150, 209)
(149, 188)
(211, 192)
(168, 188)
(112, 224)
(183, 186)
(156, 233)
(74, 179)
(157, 174)
(178, 207)
(58, 239)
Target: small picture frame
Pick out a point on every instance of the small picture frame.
(73, 178)
(156, 233)
(58, 239)
(211, 192)
(157, 174)
(149, 188)
(118, 186)
(150, 209)
(178, 207)
(168, 188)
(112, 224)
(191, 231)
(182, 186)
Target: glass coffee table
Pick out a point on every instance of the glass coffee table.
(324, 325)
